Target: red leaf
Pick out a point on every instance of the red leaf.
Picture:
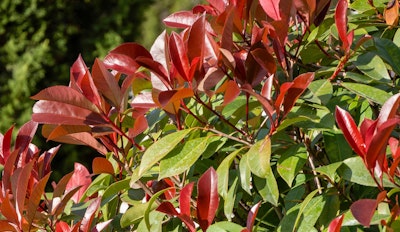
(336, 224)
(35, 197)
(265, 60)
(121, 63)
(196, 39)
(184, 199)
(231, 93)
(20, 189)
(49, 112)
(156, 68)
(207, 198)
(167, 208)
(173, 96)
(89, 215)
(181, 19)
(251, 217)
(25, 136)
(389, 109)
(6, 145)
(210, 80)
(321, 10)
(178, 55)
(300, 84)
(8, 226)
(139, 127)
(350, 131)
(271, 7)
(341, 22)
(227, 18)
(102, 165)
(62, 226)
(143, 100)
(8, 211)
(80, 177)
(106, 83)
(82, 81)
(363, 210)
(218, 5)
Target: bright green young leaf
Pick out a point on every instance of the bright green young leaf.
(229, 200)
(245, 174)
(223, 173)
(160, 149)
(291, 162)
(373, 66)
(258, 158)
(268, 188)
(371, 93)
(134, 214)
(181, 159)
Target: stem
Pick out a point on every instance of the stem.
(228, 136)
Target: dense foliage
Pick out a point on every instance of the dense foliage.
(248, 116)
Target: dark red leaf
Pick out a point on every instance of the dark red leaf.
(350, 131)
(196, 39)
(20, 189)
(210, 80)
(251, 217)
(265, 60)
(305, 9)
(25, 136)
(389, 109)
(207, 198)
(167, 208)
(271, 7)
(226, 40)
(341, 22)
(6, 145)
(336, 224)
(82, 81)
(232, 91)
(106, 83)
(178, 53)
(59, 189)
(35, 198)
(49, 112)
(363, 210)
(321, 10)
(266, 103)
(300, 84)
(185, 198)
(156, 68)
(80, 178)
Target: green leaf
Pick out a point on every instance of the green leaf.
(329, 170)
(258, 157)
(371, 93)
(160, 149)
(245, 174)
(113, 190)
(134, 214)
(149, 209)
(268, 188)
(321, 92)
(388, 51)
(354, 170)
(223, 173)
(229, 200)
(180, 160)
(373, 66)
(291, 162)
(224, 227)
(336, 146)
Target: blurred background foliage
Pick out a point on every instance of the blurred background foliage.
(40, 39)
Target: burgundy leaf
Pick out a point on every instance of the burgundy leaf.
(226, 40)
(49, 112)
(24, 138)
(207, 198)
(82, 81)
(121, 63)
(336, 224)
(80, 178)
(251, 217)
(363, 210)
(167, 208)
(106, 83)
(300, 84)
(210, 80)
(184, 199)
(156, 68)
(6, 145)
(178, 54)
(196, 39)
(265, 59)
(350, 131)
(271, 7)
(341, 22)
(321, 10)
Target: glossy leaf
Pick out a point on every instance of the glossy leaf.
(80, 178)
(374, 94)
(300, 84)
(89, 215)
(388, 51)
(341, 22)
(181, 19)
(350, 131)
(245, 174)
(373, 66)
(35, 198)
(251, 217)
(291, 162)
(207, 198)
(178, 53)
(271, 7)
(336, 224)
(230, 199)
(223, 173)
(363, 210)
(160, 149)
(177, 162)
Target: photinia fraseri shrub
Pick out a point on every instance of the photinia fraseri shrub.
(248, 116)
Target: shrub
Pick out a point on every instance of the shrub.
(243, 118)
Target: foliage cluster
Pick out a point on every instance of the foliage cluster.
(248, 116)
